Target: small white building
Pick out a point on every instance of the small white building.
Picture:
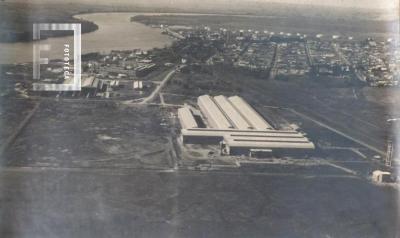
(381, 176)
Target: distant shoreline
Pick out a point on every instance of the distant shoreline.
(88, 26)
(110, 24)
(356, 29)
(26, 36)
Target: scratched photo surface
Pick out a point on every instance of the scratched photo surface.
(213, 118)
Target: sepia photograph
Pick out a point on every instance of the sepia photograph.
(199, 119)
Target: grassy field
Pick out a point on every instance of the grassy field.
(92, 134)
(112, 203)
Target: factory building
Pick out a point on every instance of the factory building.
(215, 136)
(213, 115)
(245, 145)
(255, 119)
(186, 118)
(230, 112)
(237, 128)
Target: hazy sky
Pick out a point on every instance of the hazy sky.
(373, 4)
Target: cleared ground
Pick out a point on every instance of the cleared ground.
(12, 112)
(92, 134)
(109, 203)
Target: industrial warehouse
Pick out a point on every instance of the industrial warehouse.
(237, 127)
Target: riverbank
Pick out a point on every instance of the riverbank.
(115, 32)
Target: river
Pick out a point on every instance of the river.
(116, 32)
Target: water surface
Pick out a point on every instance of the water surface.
(115, 32)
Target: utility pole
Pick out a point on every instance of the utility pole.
(389, 153)
(390, 145)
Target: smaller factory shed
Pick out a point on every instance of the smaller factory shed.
(186, 118)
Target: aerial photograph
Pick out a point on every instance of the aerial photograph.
(199, 119)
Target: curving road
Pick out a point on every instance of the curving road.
(158, 88)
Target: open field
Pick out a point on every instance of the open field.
(93, 134)
(12, 112)
(112, 203)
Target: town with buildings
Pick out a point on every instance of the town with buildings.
(266, 54)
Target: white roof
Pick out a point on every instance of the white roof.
(247, 138)
(186, 118)
(254, 139)
(255, 119)
(265, 144)
(378, 172)
(231, 113)
(234, 132)
(268, 134)
(213, 114)
(87, 82)
(272, 145)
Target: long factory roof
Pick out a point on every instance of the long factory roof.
(246, 135)
(250, 133)
(231, 113)
(214, 115)
(251, 115)
(265, 139)
(270, 144)
(254, 139)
